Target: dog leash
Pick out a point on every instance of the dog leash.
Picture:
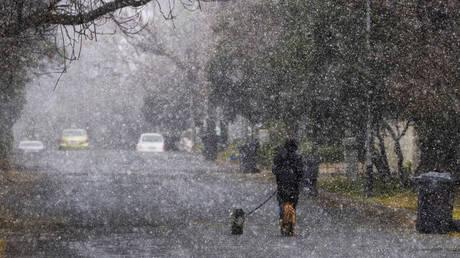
(262, 204)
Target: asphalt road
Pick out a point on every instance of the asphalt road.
(129, 204)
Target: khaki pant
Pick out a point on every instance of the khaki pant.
(287, 223)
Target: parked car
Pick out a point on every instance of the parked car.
(151, 142)
(31, 146)
(74, 139)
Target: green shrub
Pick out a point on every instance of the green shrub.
(266, 154)
(357, 187)
(305, 148)
(225, 154)
(230, 150)
(197, 148)
(328, 154)
(331, 154)
(342, 186)
(407, 168)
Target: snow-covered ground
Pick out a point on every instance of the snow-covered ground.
(129, 204)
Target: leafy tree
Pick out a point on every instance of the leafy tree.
(426, 82)
(26, 30)
(416, 44)
(185, 52)
(18, 55)
(237, 70)
(315, 60)
(27, 27)
(290, 71)
(168, 108)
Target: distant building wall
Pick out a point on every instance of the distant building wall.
(238, 129)
(409, 147)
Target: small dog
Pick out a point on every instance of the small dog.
(237, 221)
(288, 221)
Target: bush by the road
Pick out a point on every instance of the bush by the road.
(266, 154)
(230, 151)
(267, 151)
(327, 154)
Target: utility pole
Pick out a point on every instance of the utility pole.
(192, 116)
(369, 138)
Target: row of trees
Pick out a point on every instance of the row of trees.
(176, 101)
(19, 51)
(319, 63)
(342, 66)
(31, 30)
(28, 33)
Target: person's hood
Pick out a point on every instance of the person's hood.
(291, 145)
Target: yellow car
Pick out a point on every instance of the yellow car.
(74, 139)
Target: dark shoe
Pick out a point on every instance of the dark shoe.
(314, 192)
(310, 191)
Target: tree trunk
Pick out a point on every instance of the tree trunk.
(6, 144)
(210, 141)
(368, 162)
(381, 160)
(313, 162)
(193, 133)
(292, 128)
(396, 136)
(369, 139)
(402, 174)
(224, 133)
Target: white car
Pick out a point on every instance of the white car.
(151, 142)
(31, 146)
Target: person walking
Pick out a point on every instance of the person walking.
(288, 169)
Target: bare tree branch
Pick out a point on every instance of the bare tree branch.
(50, 17)
(397, 135)
(78, 14)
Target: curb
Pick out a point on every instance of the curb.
(388, 215)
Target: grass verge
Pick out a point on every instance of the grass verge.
(20, 182)
(389, 194)
(2, 247)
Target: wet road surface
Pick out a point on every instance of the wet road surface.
(129, 204)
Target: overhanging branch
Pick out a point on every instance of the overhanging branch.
(63, 19)
(49, 16)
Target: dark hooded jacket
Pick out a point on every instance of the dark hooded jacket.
(288, 169)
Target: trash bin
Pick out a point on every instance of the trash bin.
(435, 203)
(248, 157)
(209, 140)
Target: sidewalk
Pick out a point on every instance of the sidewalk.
(401, 218)
(397, 217)
(394, 217)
